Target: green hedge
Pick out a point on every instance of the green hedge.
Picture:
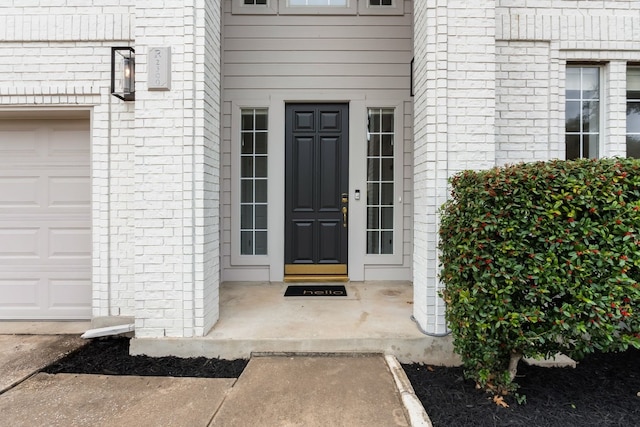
(541, 258)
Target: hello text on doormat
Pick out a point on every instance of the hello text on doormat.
(316, 291)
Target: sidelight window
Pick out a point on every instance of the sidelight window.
(633, 112)
(253, 182)
(380, 181)
(582, 112)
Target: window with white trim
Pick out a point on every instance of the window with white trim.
(253, 181)
(633, 112)
(380, 181)
(582, 111)
(254, 7)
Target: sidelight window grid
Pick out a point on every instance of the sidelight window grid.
(380, 180)
(253, 181)
(582, 112)
(255, 2)
(381, 2)
(633, 112)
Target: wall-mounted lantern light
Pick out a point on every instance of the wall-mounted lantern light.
(123, 67)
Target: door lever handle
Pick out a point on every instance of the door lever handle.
(344, 216)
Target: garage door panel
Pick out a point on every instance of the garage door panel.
(27, 146)
(20, 243)
(65, 143)
(69, 191)
(45, 220)
(19, 191)
(19, 293)
(69, 243)
(70, 293)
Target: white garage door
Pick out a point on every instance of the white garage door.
(45, 232)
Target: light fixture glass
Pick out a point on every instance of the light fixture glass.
(123, 73)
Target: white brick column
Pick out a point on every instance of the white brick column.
(176, 172)
(454, 124)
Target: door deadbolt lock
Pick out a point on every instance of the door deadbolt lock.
(345, 198)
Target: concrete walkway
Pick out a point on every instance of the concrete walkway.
(314, 390)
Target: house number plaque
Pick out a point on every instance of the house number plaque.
(159, 68)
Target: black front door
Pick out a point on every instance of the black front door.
(317, 187)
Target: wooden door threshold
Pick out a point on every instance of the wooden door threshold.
(316, 278)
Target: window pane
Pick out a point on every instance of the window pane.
(247, 143)
(373, 169)
(246, 191)
(246, 217)
(247, 120)
(261, 166)
(261, 242)
(261, 120)
(373, 194)
(572, 114)
(591, 116)
(373, 242)
(246, 243)
(386, 242)
(573, 83)
(373, 219)
(387, 218)
(373, 147)
(573, 147)
(261, 190)
(590, 83)
(387, 194)
(261, 143)
(261, 217)
(387, 169)
(590, 146)
(246, 169)
(387, 121)
(633, 117)
(633, 146)
(633, 79)
(387, 145)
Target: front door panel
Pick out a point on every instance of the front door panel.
(317, 161)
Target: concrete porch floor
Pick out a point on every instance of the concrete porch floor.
(256, 318)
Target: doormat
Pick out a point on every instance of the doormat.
(316, 291)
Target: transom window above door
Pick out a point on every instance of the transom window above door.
(318, 7)
(317, 2)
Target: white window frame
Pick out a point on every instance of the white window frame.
(602, 125)
(627, 99)
(396, 8)
(350, 9)
(397, 257)
(239, 8)
(237, 258)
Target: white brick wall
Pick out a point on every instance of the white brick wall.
(540, 37)
(490, 90)
(454, 124)
(176, 173)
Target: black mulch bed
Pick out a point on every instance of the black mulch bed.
(601, 391)
(110, 356)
